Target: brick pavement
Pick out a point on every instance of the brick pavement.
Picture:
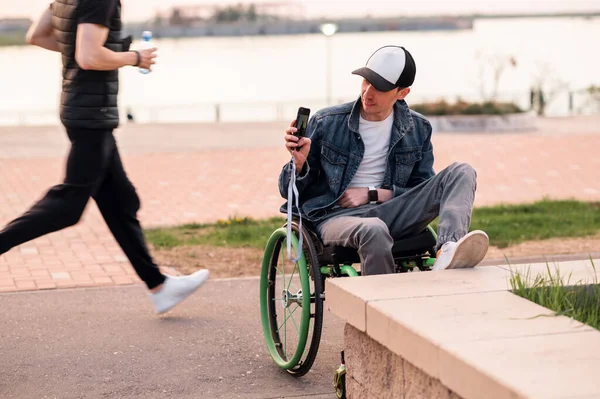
(202, 173)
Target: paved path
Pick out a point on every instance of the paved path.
(206, 172)
(106, 343)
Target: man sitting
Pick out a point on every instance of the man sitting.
(365, 174)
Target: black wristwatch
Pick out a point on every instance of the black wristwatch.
(373, 196)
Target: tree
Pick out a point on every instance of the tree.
(546, 88)
(593, 99)
(492, 66)
(251, 14)
(176, 18)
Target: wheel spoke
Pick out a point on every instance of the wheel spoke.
(283, 264)
(291, 313)
(292, 276)
(282, 270)
(285, 335)
(294, 320)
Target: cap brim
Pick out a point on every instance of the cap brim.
(375, 79)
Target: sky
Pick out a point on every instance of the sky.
(139, 10)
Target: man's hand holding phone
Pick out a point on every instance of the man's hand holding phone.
(295, 142)
(292, 141)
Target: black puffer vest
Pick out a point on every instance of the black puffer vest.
(89, 98)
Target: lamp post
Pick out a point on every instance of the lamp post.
(328, 30)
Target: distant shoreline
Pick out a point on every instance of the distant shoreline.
(276, 28)
(296, 27)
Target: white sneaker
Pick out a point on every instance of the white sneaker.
(467, 252)
(176, 289)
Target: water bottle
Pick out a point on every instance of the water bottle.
(146, 38)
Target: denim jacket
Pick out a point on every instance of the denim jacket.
(337, 150)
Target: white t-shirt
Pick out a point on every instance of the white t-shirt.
(376, 138)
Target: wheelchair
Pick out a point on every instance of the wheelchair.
(292, 312)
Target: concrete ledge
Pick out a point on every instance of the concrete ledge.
(465, 329)
(378, 373)
(484, 123)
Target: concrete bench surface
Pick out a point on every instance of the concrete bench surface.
(467, 330)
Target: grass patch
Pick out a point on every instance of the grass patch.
(578, 301)
(505, 225)
(508, 225)
(233, 232)
(512, 224)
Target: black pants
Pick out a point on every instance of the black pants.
(94, 169)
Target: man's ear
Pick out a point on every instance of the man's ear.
(402, 93)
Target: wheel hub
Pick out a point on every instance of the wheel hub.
(287, 298)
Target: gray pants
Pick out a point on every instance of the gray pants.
(372, 229)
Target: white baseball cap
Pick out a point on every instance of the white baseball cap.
(388, 68)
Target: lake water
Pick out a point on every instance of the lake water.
(267, 78)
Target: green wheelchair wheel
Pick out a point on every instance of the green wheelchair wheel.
(291, 319)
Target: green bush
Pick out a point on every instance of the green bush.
(12, 39)
(460, 107)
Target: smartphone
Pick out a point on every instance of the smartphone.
(301, 122)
